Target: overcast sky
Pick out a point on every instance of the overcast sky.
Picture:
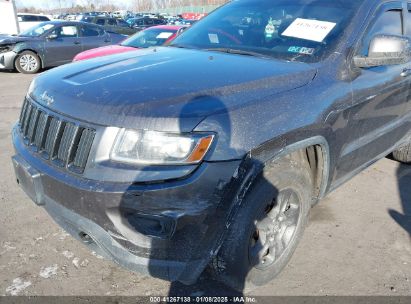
(50, 4)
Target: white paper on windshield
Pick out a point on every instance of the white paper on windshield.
(213, 38)
(314, 30)
(164, 35)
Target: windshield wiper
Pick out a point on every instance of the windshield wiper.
(180, 46)
(238, 52)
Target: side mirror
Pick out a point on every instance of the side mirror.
(385, 50)
(52, 36)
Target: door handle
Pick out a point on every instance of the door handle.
(405, 72)
(77, 42)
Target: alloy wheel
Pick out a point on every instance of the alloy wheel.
(274, 229)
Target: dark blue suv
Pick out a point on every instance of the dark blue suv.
(211, 151)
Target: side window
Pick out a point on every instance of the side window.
(390, 23)
(111, 22)
(43, 18)
(140, 22)
(100, 21)
(122, 23)
(29, 18)
(89, 31)
(68, 31)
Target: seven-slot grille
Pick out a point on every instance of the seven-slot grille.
(62, 142)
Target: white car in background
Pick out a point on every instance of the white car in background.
(27, 21)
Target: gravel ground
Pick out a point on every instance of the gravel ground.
(358, 241)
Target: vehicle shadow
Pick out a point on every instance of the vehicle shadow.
(403, 217)
(208, 283)
(9, 71)
(205, 285)
(197, 231)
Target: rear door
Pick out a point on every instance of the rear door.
(92, 36)
(64, 47)
(139, 24)
(111, 25)
(100, 21)
(148, 22)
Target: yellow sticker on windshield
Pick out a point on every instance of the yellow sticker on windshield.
(314, 30)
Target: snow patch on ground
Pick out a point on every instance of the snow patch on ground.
(84, 263)
(18, 286)
(76, 262)
(63, 235)
(47, 272)
(97, 255)
(8, 246)
(68, 254)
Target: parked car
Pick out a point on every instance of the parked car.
(111, 24)
(153, 36)
(188, 22)
(51, 44)
(27, 21)
(145, 22)
(213, 150)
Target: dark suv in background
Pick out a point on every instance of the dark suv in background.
(111, 24)
(263, 108)
(145, 22)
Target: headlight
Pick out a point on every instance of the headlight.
(158, 148)
(6, 48)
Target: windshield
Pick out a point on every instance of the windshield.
(37, 30)
(150, 37)
(295, 30)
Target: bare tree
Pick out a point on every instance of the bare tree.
(71, 6)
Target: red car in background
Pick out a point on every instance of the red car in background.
(153, 36)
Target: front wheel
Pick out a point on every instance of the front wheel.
(28, 63)
(268, 227)
(403, 154)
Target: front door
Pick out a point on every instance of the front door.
(62, 45)
(379, 100)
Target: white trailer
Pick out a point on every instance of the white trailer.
(8, 18)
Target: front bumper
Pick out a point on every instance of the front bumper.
(166, 229)
(7, 60)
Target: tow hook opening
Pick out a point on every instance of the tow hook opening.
(85, 238)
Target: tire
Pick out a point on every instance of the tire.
(403, 154)
(28, 62)
(241, 263)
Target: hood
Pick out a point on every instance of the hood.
(103, 51)
(8, 39)
(164, 89)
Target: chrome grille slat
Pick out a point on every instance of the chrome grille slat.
(64, 143)
(52, 136)
(27, 120)
(41, 131)
(23, 113)
(33, 124)
(84, 146)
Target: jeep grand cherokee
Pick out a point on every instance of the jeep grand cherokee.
(211, 151)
